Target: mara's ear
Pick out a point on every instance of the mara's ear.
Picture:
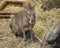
(29, 4)
(32, 3)
(26, 4)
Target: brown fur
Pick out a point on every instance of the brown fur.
(20, 22)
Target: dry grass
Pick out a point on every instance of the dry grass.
(44, 20)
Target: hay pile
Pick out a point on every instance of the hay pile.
(44, 20)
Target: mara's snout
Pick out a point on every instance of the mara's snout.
(32, 21)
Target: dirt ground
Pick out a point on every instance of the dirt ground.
(44, 20)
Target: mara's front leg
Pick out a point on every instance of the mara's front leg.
(32, 35)
(24, 35)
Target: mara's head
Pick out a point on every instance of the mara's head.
(30, 13)
(31, 16)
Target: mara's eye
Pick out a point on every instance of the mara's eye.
(28, 12)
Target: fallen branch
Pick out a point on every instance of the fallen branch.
(38, 38)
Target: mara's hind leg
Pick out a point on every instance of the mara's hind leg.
(14, 30)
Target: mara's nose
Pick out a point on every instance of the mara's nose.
(32, 21)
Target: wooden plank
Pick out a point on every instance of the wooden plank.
(3, 3)
(7, 13)
(5, 16)
(20, 1)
